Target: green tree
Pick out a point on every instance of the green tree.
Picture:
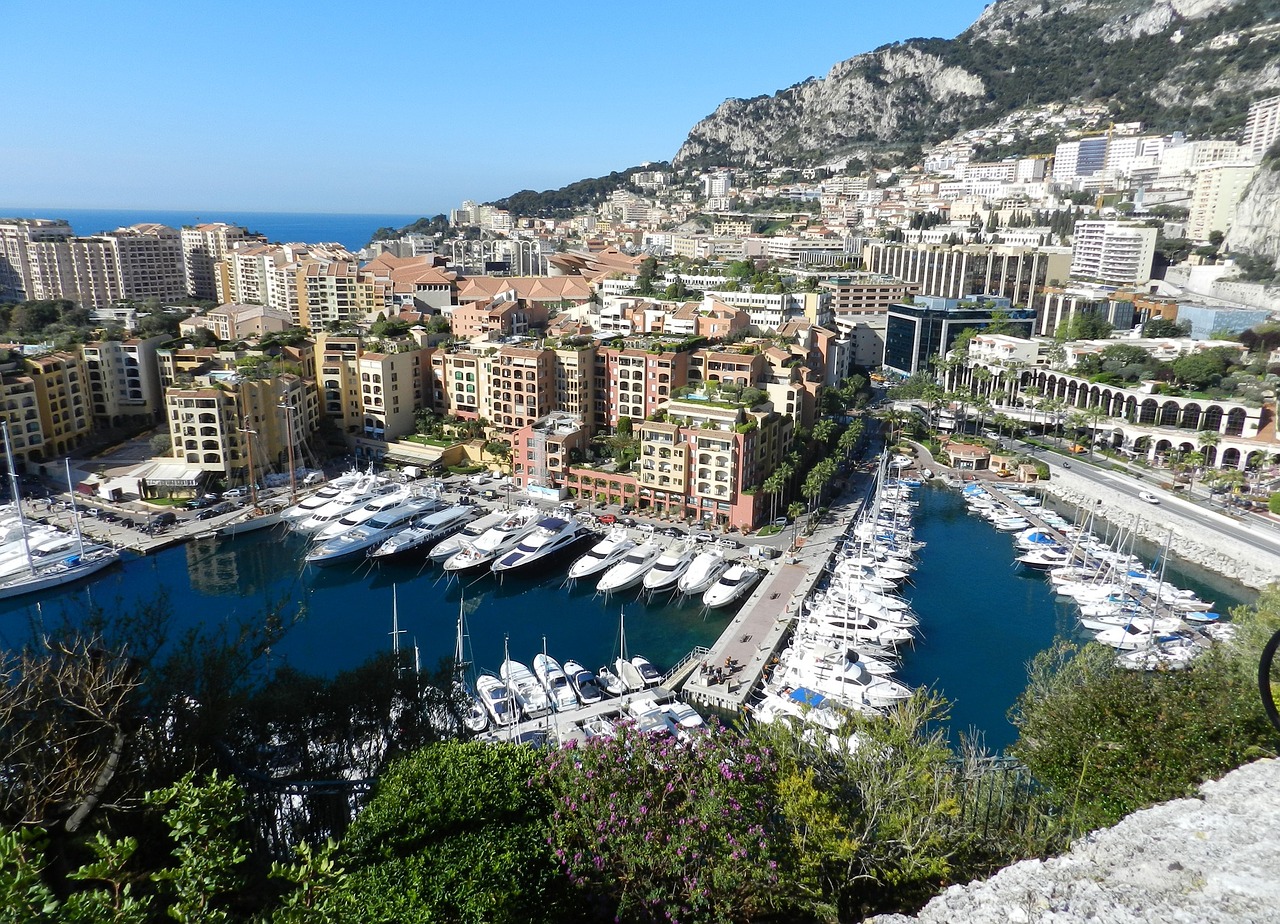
(1164, 327)
(455, 832)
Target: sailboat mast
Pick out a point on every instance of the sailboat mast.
(248, 451)
(293, 471)
(75, 511)
(17, 497)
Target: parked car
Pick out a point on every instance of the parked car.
(627, 508)
(673, 532)
(701, 535)
(628, 522)
(163, 519)
(781, 522)
(606, 519)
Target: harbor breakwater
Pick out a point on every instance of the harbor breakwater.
(1189, 539)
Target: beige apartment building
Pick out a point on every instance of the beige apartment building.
(211, 423)
(372, 396)
(62, 399)
(522, 386)
(16, 237)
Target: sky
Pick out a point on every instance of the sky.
(398, 107)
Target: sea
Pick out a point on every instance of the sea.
(352, 230)
(982, 620)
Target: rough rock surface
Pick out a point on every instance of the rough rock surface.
(1257, 216)
(922, 90)
(1188, 539)
(1211, 860)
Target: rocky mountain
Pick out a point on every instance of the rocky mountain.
(1190, 65)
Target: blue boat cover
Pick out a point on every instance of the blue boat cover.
(808, 697)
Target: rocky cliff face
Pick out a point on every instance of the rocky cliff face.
(876, 97)
(1256, 226)
(1180, 62)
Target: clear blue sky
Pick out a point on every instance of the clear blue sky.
(399, 107)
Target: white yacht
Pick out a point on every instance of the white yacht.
(497, 700)
(648, 673)
(450, 546)
(424, 532)
(330, 492)
(631, 569)
(550, 536)
(733, 585)
(495, 542)
(376, 505)
(610, 682)
(533, 700)
(555, 682)
(670, 566)
(605, 553)
(340, 506)
(703, 571)
(584, 683)
(373, 532)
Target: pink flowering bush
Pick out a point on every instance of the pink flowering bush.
(652, 829)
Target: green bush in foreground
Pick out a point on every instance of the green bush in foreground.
(1107, 741)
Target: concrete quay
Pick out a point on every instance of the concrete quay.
(736, 664)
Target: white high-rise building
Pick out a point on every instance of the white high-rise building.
(202, 247)
(1112, 253)
(1214, 197)
(1262, 128)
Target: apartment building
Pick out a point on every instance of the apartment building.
(203, 246)
(1262, 128)
(177, 366)
(770, 310)
(20, 409)
(16, 236)
(632, 381)
(372, 396)
(458, 385)
(575, 377)
(964, 270)
(123, 379)
(1112, 252)
(1214, 197)
(504, 318)
(521, 385)
(707, 459)
(213, 423)
(865, 293)
(542, 451)
(729, 366)
(149, 262)
(136, 263)
(62, 401)
(237, 322)
(335, 293)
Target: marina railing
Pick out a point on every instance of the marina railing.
(699, 652)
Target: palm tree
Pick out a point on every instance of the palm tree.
(795, 510)
(1193, 461)
(774, 485)
(1094, 418)
(1209, 439)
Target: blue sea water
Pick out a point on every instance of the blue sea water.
(982, 620)
(351, 230)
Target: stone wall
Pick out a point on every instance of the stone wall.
(1189, 539)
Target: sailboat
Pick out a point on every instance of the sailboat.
(87, 559)
(476, 719)
(258, 516)
(626, 671)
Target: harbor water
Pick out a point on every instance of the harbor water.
(982, 619)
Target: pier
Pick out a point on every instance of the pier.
(731, 670)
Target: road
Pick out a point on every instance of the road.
(1257, 537)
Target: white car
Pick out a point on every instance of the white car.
(1148, 497)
